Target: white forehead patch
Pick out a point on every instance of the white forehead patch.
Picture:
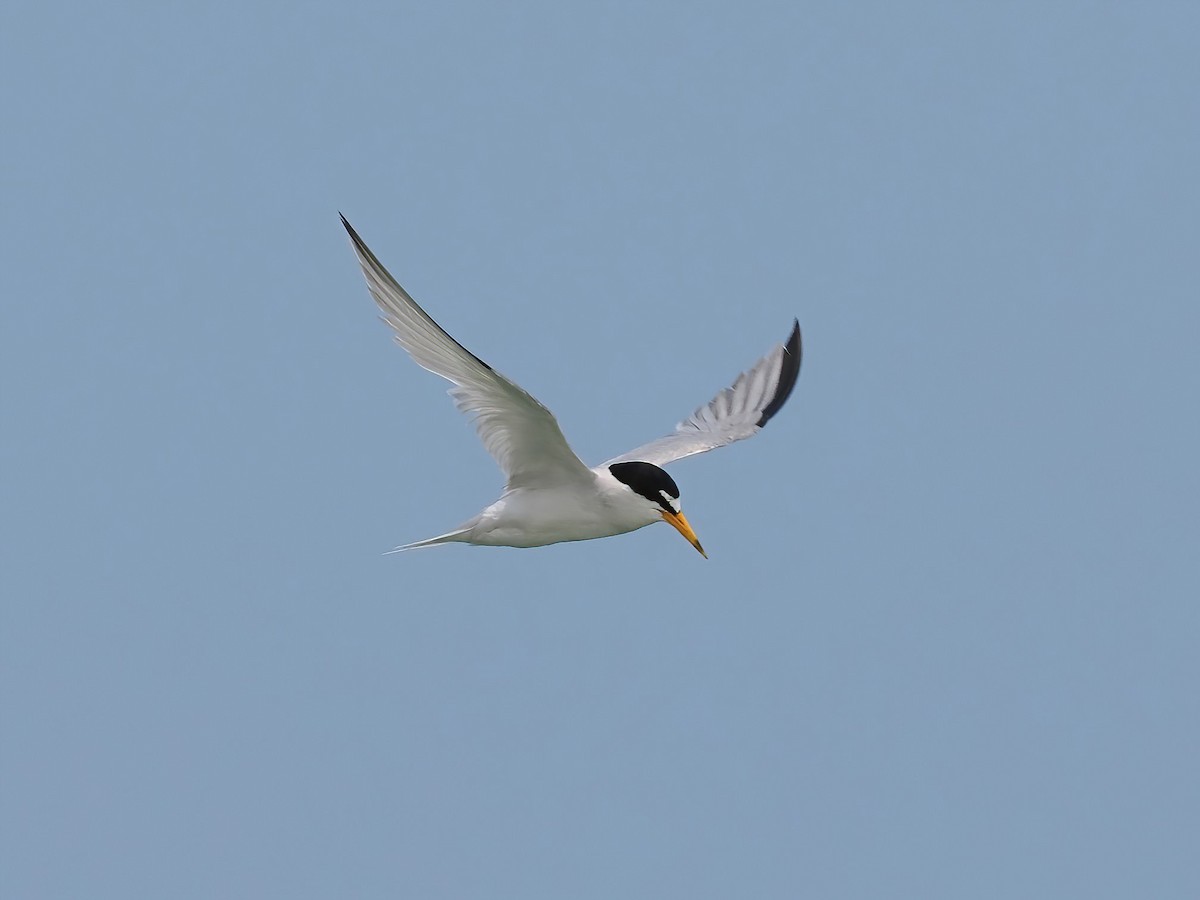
(671, 501)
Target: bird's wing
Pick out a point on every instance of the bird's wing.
(738, 412)
(517, 430)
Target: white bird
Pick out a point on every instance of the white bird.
(550, 494)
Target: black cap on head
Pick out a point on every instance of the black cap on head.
(649, 481)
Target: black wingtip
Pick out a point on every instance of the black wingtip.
(789, 371)
(369, 261)
(359, 244)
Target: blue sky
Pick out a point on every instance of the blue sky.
(945, 645)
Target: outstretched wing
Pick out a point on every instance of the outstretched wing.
(517, 430)
(738, 412)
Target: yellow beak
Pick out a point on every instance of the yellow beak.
(681, 525)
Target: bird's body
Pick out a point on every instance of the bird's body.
(550, 495)
(534, 517)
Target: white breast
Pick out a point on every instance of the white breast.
(535, 517)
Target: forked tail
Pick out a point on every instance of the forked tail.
(459, 535)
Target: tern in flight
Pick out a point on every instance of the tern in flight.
(550, 494)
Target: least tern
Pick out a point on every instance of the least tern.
(550, 495)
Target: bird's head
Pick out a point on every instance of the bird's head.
(659, 491)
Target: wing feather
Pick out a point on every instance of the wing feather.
(520, 433)
(736, 413)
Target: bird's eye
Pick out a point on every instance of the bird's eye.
(671, 502)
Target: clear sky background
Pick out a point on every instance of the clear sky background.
(946, 644)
